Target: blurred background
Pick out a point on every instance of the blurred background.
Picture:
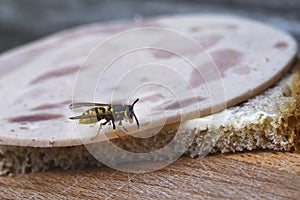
(24, 21)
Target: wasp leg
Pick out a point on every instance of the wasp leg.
(92, 125)
(99, 129)
(122, 127)
(114, 128)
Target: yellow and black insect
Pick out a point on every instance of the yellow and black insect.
(108, 112)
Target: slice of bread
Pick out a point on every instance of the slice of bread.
(268, 121)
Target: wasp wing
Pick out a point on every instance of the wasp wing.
(86, 104)
(88, 116)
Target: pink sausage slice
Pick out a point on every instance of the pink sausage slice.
(180, 67)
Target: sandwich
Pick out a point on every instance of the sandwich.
(192, 85)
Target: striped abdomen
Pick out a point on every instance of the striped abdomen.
(95, 114)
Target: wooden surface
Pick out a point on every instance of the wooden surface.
(255, 175)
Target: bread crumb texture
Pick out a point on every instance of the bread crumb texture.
(267, 121)
(17, 159)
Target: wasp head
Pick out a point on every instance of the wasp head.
(130, 113)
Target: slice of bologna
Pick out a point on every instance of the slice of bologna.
(180, 67)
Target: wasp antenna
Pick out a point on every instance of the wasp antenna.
(137, 121)
(135, 102)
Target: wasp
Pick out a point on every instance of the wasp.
(109, 113)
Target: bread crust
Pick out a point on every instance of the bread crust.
(295, 120)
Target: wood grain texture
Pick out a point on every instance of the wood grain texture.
(254, 175)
